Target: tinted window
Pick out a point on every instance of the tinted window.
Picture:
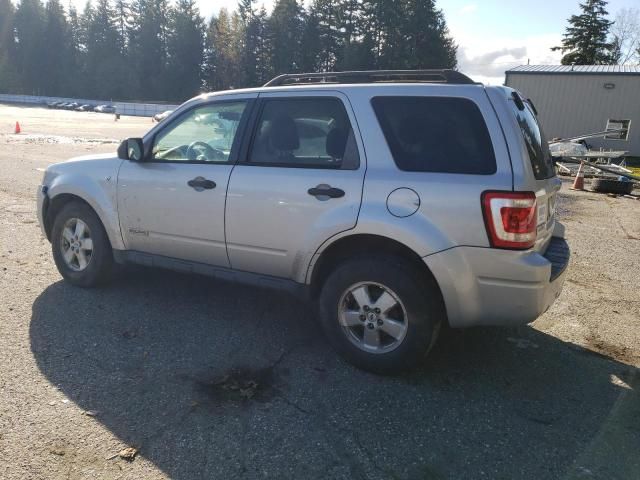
(436, 134)
(535, 141)
(204, 134)
(312, 133)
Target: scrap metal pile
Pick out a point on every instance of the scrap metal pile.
(572, 154)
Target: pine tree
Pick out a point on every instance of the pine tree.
(7, 11)
(264, 48)
(148, 48)
(30, 50)
(248, 44)
(8, 72)
(286, 25)
(427, 43)
(311, 45)
(56, 39)
(76, 77)
(254, 45)
(123, 24)
(351, 28)
(585, 41)
(245, 10)
(330, 39)
(185, 51)
(223, 56)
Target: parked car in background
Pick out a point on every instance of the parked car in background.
(85, 108)
(395, 201)
(105, 109)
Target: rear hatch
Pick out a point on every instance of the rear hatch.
(545, 183)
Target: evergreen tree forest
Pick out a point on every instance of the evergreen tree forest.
(166, 51)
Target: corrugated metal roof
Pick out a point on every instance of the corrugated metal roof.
(578, 69)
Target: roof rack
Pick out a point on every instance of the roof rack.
(372, 76)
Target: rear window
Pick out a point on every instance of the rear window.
(536, 142)
(436, 134)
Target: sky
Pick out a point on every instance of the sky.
(492, 35)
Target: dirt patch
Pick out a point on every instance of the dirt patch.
(620, 353)
(238, 386)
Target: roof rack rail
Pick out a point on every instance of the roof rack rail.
(372, 76)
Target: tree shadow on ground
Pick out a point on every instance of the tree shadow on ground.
(210, 379)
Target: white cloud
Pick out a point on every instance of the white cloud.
(469, 9)
(486, 59)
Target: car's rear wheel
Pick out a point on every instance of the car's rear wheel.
(81, 248)
(382, 315)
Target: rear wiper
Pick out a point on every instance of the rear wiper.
(518, 101)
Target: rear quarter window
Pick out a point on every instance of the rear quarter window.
(436, 134)
(535, 141)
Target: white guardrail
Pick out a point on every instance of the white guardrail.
(123, 108)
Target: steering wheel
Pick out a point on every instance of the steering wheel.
(198, 148)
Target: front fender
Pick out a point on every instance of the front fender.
(99, 190)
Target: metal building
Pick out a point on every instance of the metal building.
(576, 100)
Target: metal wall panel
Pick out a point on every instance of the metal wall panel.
(571, 105)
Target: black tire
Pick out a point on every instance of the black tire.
(418, 293)
(100, 267)
(607, 185)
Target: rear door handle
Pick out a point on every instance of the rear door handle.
(200, 183)
(326, 191)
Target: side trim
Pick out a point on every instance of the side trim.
(184, 266)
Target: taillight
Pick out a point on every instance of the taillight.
(511, 219)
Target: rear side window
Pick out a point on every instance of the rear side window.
(535, 141)
(304, 133)
(436, 134)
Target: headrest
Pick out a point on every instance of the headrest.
(336, 143)
(283, 134)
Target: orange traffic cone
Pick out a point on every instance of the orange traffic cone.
(17, 130)
(578, 183)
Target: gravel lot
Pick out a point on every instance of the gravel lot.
(214, 380)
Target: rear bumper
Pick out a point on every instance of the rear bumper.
(485, 286)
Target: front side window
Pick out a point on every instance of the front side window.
(436, 134)
(204, 134)
(306, 133)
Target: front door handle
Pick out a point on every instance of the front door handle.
(200, 183)
(325, 192)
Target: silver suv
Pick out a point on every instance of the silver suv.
(395, 200)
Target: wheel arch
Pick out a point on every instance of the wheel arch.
(365, 245)
(55, 204)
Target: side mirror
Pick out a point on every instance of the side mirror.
(131, 149)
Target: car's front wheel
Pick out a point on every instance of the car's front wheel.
(383, 315)
(81, 248)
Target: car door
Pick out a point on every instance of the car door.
(297, 183)
(172, 204)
